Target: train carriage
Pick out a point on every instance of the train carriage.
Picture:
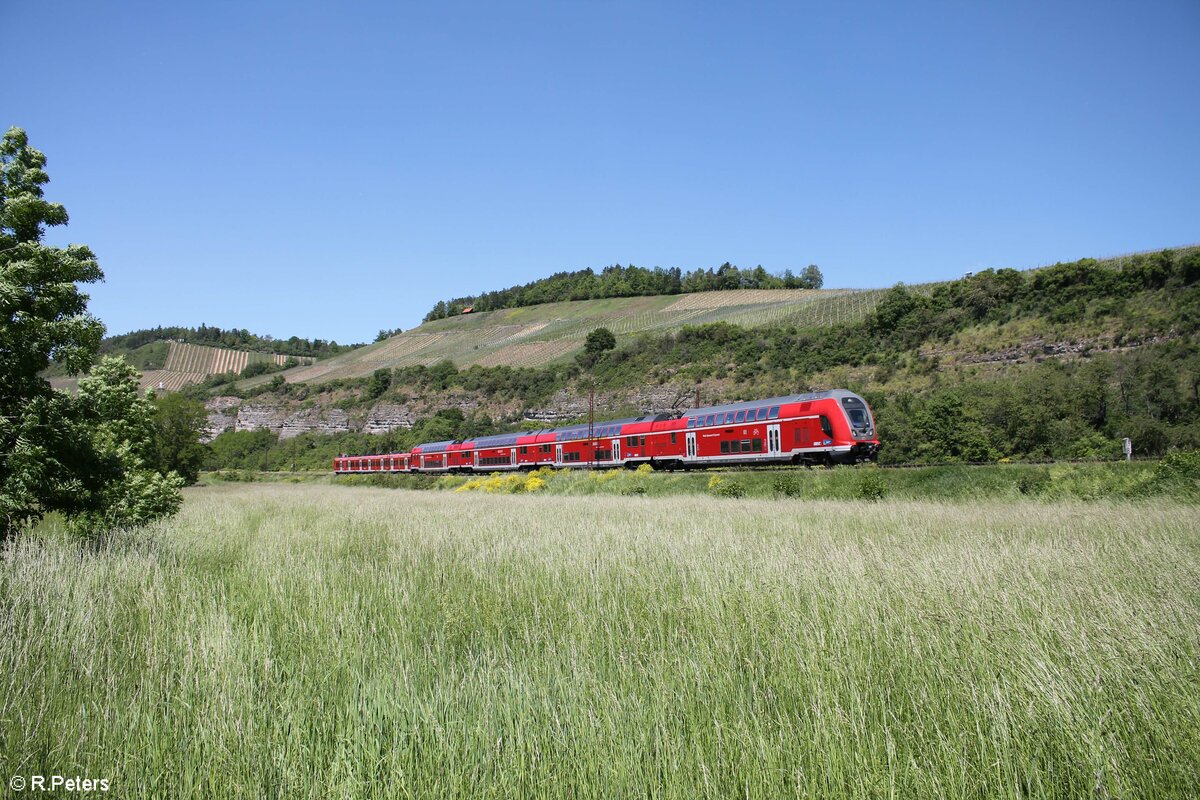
(830, 427)
(496, 453)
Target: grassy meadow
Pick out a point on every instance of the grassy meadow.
(322, 641)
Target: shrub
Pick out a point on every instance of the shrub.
(1179, 472)
(724, 488)
(786, 486)
(871, 486)
(1033, 481)
(235, 475)
(1179, 466)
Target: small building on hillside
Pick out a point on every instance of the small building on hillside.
(468, 309)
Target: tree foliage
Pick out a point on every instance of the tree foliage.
(379, 382)
(82, 456)
(235, 338)
(180, 422)
(631, 281)
(122, 435)
(598, 341)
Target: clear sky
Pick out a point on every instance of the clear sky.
(330, 169)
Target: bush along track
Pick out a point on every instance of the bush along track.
(1175, 477)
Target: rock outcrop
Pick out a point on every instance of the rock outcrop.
(386, 417)
(289, 420)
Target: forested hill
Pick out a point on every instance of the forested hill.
(619, 281)
(232, 338)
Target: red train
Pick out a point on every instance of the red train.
(833, 427)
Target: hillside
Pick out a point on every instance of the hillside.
(535, 336)
(174, 365)
(1056, 362)
(553, 333)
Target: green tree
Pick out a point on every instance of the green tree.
(255, 368)
(811, 277)
(43, 317)
(380, 382)
(241, 449)
(81, 456)
(179, 423)
(598, 341)
(121, 433)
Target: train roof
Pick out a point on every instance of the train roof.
(434, 447)
(603, 429)
(770, 401)
(496, 440)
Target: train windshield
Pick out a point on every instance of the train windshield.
(856, 412)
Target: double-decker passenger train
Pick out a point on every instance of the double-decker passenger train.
(833, 427)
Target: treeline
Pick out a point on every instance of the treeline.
(631, 281)
(234, 338)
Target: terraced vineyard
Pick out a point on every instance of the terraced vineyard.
(537, 335)
(191, 363)
(194, 358)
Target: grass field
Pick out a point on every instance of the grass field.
(323, 641)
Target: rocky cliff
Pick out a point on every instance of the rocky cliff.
(290, 419)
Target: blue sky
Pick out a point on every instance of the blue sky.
(327, 170)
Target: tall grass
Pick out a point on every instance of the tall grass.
(318, 641)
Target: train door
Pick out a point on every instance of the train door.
(773, 440)
(691, 445)
(512, 456)
(558, 454)
(475, 459)
(616, 449)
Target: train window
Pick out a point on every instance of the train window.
(604, 455)
(856, 412)
(672, 438)
(762, 413)
(826, 427)
(523, 451)
(741, 417)
(709, 420)
(757, 445)
(724, 447)
(774, 414)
